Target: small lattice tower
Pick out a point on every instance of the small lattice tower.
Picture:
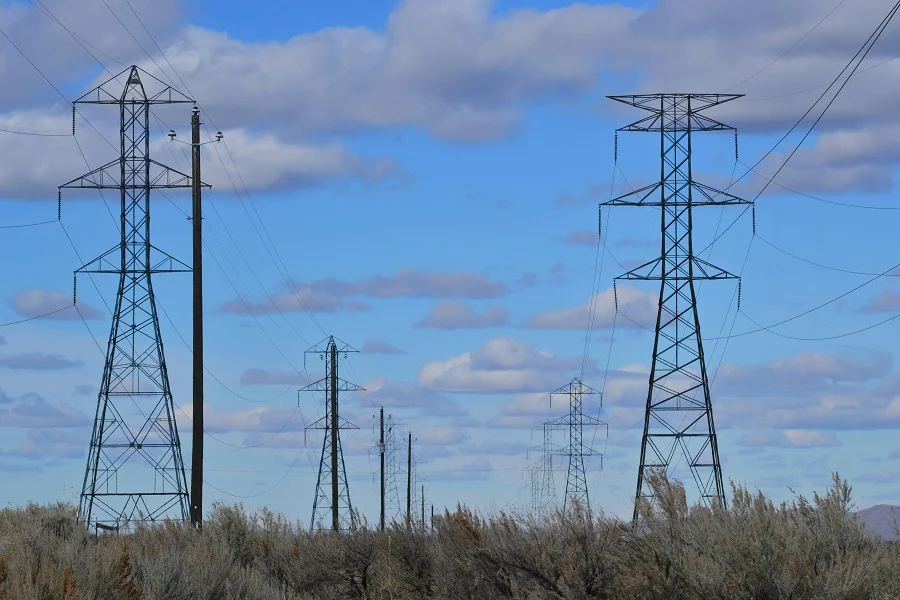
(575, 450)
(331, 503)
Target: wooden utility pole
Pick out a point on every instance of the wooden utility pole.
(381, 451)
(197, 221)
(335, 513)
(409, 483)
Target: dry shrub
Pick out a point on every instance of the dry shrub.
(806, 549)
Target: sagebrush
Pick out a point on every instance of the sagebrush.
(807, 549)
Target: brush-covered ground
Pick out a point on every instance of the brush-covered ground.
(808, 549)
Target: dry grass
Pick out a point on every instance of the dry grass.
(808, 549)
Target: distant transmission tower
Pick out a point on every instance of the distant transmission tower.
(574, 450)
(675, 419)
(543, 489)
(393, 454)
(134, 469)
(332, 500)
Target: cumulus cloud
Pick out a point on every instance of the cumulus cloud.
(60, 57)
(807, 369)
(269, 163)
(266, 419)
(502, 365)
(809, 390)
(439, 435)
(38, 302)
(38, 361)
(403, 394)
(638, 305)
(53, 444)
(791, 438)
(449, 314)
(379, 347)
(331, 295)
(453, 67)
(32, 410)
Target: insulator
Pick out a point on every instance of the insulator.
(58, 205)
(73, 119)
(616, 296)
(600, 222)
(753, 210)
(735, 146)
(616, 148)
(739, 295)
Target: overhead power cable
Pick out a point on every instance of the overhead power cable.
(794, 45)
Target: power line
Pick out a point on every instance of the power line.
(817, 198)
(794, 45)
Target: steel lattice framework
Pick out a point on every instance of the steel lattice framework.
(576, 451)
(679, 414)
(543, 489)
(393, 505)
(332, 498)
(134, 469)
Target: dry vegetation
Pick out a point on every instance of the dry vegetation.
(811, 549)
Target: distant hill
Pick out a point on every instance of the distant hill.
(879, 520)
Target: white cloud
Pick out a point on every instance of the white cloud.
(269, 163)
(448, 65)
(331, 295)
(640, 306)
(37, 302)
(791, 438)
(450, 314)
(438, 435)
(502, 365)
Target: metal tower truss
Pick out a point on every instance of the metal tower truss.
(134, 468)
(679, 415)
(543, 488)
(575, 450)
(331, 502)
(393, 455)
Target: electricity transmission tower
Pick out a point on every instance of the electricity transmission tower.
(576, 451)
(543, 489)
(134, 468)
(675, 418)
(393, 454)
(331, 467)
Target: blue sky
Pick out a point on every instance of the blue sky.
(428, 174)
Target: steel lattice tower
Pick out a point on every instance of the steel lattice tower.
(543, 489)
(575, 450)
(393, 505)
(134, 469)
(332, 470)
(675, 418)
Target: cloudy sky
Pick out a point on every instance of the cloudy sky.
(421, 179)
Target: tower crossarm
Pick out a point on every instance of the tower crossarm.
(699, 270)
(109, 176)
(134, 83)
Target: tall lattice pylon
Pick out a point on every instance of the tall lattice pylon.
(134, 469)
(331, 503)
(394, 453)
(575, 450)
(679, 414)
